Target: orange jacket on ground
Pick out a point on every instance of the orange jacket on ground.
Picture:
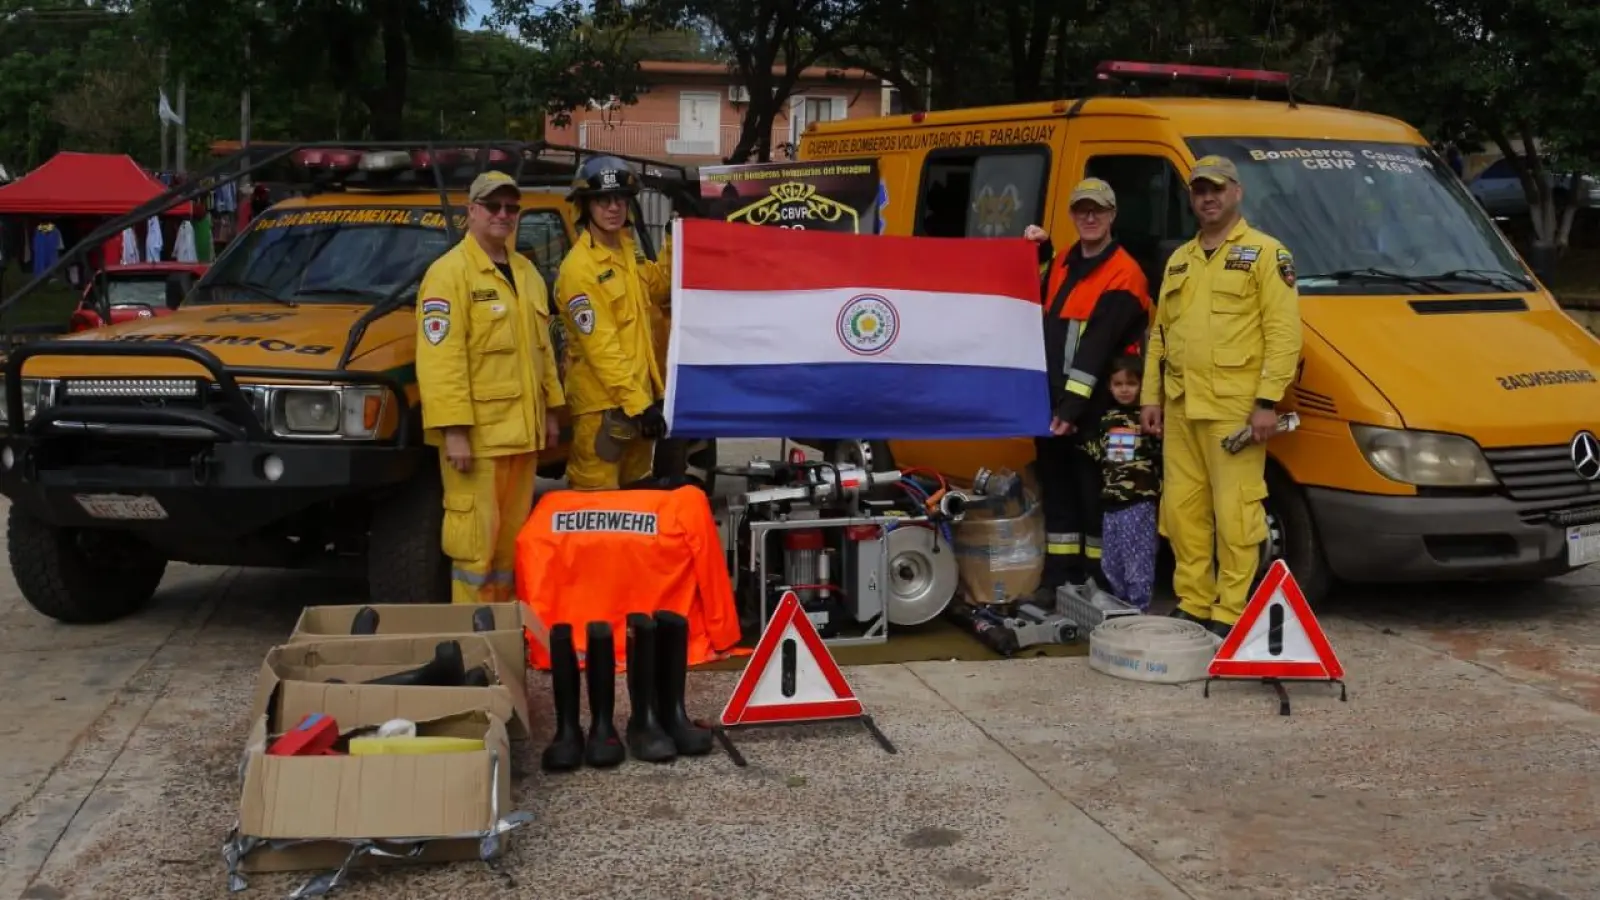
(588, 556)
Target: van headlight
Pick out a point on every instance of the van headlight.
(338, 412)
(37, 394)
(1424, 458)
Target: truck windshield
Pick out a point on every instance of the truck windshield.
(1369, 218)
(333, 255)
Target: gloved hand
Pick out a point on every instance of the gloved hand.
(652, 423)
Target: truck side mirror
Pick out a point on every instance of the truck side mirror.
(178, 285)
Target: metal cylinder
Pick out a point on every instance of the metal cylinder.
(802, 566)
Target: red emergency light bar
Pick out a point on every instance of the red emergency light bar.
(1109, 70)
(393, 160)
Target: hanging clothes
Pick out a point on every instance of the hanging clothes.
(183, 245)
(47, 247)
(152, 240)
(204, 244)
(225, 199)
(130, 247)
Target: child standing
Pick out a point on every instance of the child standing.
(1130, 488)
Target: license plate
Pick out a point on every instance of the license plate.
(1583, 544)
(121, 506)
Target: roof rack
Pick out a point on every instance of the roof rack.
(441, 166)
(1128, 78)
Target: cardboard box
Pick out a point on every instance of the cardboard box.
(329, 801)
(293, 682)
(320, 623)
(1001, 560)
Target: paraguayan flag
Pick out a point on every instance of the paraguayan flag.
(779, 332)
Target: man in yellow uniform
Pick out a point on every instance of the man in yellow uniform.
(611, 298)
(489, 385)
(1223, 349)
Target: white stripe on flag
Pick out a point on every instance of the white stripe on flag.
(726, 328)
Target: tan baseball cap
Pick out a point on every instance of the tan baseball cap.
(1095, 191)
(1218, 170)
(488, 183)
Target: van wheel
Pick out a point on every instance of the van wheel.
(1292, 537)
(404, 562)
(81, 576)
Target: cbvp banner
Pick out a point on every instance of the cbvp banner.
(836, 195)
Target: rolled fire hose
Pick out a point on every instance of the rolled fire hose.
(1153, 649)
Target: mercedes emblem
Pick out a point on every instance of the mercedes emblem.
(1586, 456)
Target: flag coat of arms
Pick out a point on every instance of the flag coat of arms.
(779, 332)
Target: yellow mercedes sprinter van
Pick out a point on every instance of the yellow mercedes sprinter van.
(1449, 407)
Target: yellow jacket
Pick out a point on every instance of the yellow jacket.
(1227, 328)
(484, 353)
(613, 304)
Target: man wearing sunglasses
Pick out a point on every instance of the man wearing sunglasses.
(487, 373)
(1096, 308)
(1225, 347)
(611, 298)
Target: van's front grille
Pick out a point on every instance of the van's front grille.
(1542, 480)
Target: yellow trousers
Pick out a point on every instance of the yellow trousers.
(1211, 504)
(586, 471)
(484, 509)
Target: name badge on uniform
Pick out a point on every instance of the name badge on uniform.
(605, 276)
(480, 296)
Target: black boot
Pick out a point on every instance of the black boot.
(565, 752)
(478, 676)
(605, 748)
(365, 622)
(647, 740)
(445, 670)
(672, 674)
(483, 619)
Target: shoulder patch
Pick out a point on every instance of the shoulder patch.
(1286, 266)
(435, 327)
(582, 313)
(485, 295)
(436, 305)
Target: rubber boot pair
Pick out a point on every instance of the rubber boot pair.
(659, 728)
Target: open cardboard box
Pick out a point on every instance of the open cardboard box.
(293, 682)
(320, 623)
(327, 802)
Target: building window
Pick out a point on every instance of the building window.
(805, 109)
(897, 103)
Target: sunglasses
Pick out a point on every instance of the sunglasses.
(497, 207)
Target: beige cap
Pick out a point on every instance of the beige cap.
(1216, 169)
(1095, 191)
(488, 183)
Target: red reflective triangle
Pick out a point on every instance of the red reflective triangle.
(817, 690)
(1303, 650)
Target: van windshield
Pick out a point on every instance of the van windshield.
(1369, 218)
(334, 255)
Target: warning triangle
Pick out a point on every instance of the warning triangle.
(791, 676)
(1277, 637)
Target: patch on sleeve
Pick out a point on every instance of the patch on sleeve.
(1286, 267)
(435, 327)
(582, 313)
(436, 305)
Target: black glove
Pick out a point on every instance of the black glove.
(652, 424)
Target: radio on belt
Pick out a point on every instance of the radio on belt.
(860, 549)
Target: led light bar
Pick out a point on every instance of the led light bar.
(131, 387)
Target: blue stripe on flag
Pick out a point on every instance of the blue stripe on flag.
(859, 400)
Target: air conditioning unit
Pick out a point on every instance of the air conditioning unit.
(738, 93)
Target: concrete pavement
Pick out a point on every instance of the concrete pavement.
(1463, 766)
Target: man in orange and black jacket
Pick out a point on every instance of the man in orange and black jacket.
(1096, 303)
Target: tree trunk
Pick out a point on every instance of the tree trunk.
(388, 103)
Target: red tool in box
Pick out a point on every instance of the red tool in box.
(314, 736)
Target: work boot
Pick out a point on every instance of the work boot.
(446, 669)
(565, 751)
(365, 622)
(647, 740)
(1178, 612)
(483, 619)
(604, 748)
(478, 676)
(1219, 629)
(672, 675)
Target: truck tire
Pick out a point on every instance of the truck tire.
(1292, 537)
(80, 576)
(404, 562)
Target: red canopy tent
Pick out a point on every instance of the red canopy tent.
(84, 184)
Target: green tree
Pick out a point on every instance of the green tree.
(578, 54)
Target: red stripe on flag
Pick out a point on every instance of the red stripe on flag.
(730, 256)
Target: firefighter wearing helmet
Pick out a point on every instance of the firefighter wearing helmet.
(611, 299)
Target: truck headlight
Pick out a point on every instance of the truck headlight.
(1424, 458)
(349, 412)
(37, 394)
